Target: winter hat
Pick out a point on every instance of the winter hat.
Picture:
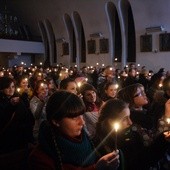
(85, 87)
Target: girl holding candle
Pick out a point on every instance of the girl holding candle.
(23, 87)
(131, 139)
(38, 105)
(63, 143)
(16, 123)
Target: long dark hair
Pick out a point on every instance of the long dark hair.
(127, 93)
(109, 112)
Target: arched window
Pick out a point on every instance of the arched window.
(128, 28)
(80, 37)
(115, 32)
(72, 38)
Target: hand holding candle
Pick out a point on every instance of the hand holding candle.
(168, 121)
(116, 126)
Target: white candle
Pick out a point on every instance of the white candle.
(116, 127)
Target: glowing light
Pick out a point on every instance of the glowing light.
(110, 68)
(79, 84)
(18, 90)
(115, 59)
(116, 126)
(40, 63)
(102, 65)
(97, 64)
(168, 121)
(138, 65)
(117, 86)
(160, 85)
(42, 84)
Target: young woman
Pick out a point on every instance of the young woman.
(16, 121)
(136, 97)
(38, 104)
(140, 150)
(69, 85)
(51, 85)
(110, 91)
(63, 143)
(93, 104)
(90, 98)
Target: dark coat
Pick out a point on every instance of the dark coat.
(16, 125)
(136, 155)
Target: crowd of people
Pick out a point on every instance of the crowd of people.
(64, 118)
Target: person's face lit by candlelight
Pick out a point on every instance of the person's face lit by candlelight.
(111, 91)
(90, 96)
(24, 83)
(122, 122)
(125, 120)
(9, 91)
(72, 87)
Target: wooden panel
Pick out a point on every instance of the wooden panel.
(91, 44)
(164, 42)
(146, 43)
(104, 45)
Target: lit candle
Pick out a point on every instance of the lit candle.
(116, 127)
(97, 64)
(115, 59)
(168, 121)
(40, 63)
(18, 90)
(160, 85)
(138, 65)
(79, 84)
(117, 86)
(42, 84)
(102, 65)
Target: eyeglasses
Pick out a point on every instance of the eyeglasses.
(142, 93)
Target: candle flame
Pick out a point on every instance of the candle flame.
(18, 89)
(79, 84)
(116, 126)
(160, 85)
(168, 120)
(117, 86)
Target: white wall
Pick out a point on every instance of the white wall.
(146, 13)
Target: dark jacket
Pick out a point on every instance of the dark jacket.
(16, 125)
(59, 152)
(132, 143)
